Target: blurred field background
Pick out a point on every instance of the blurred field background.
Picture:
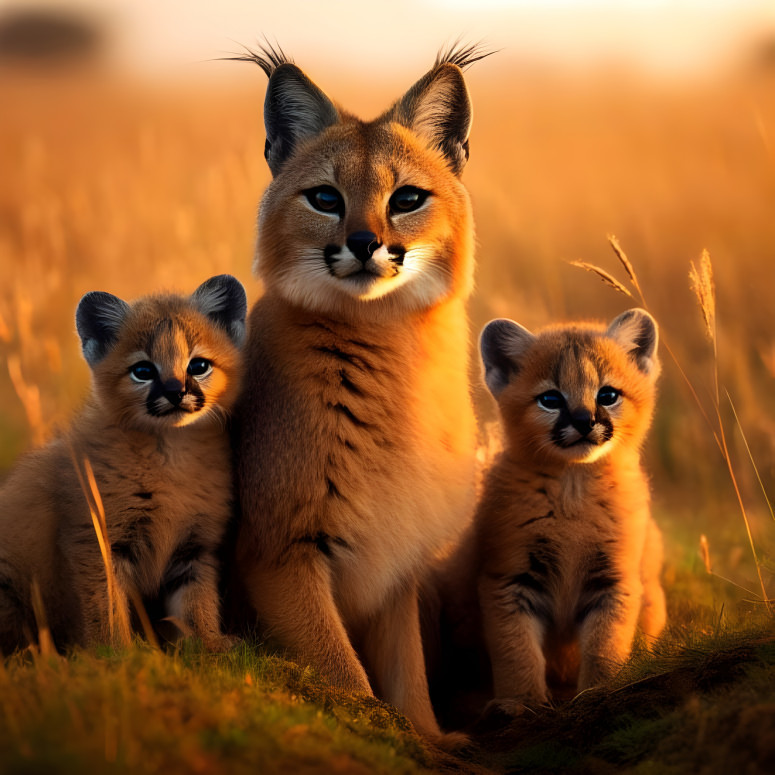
(136, 177)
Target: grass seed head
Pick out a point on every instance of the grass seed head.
(701, 280)
(603, 275)
(625, 262)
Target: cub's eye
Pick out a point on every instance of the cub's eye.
(552, 399)
(144, 371)
(326, 199)
(608, 396)
(199, 367)
(406, 199)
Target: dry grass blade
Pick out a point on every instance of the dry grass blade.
(624, 261)
(117, 610)
(142, 615)
(118, 619)
(750, 456)
(765, 598)
(705, 554)
(603, 275)
(45, 641)
(29, 395)
(701, 280)
(5, 331)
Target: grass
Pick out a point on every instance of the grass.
(680, 711)
(110, 186)
(139, 709)
(703, 701)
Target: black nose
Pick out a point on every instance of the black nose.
(582, 421)
(174, 390)
(362, 244)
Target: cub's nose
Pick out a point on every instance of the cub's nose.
(582, 421)
(174, 390)
(362, 244)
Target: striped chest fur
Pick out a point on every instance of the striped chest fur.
(368, 446)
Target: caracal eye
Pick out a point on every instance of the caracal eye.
(144, 371)
(406, 199)
(552, 400)
(608, 396)
(199, 367)
(326, 199)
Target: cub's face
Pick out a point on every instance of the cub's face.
(366, 216)
(366, 213)
(165, 361)
(573, 394)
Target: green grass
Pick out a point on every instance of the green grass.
(141, 710)
(707, 707)
(703, 701)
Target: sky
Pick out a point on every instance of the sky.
(658, 36)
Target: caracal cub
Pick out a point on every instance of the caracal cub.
(569, 556)
(165, 372)
(356, 431)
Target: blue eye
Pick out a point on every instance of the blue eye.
(198, 367)
(326, 199)
(144, 371)
(406, 199)
(608, 396)
(552, 399)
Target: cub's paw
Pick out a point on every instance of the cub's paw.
(452, 742)
(500, 712)
(220, 643)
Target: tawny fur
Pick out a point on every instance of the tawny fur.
(356, 430)
(568, 556)
(164, 479)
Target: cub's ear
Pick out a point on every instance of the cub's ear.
(98, 319)
(502, 344)
(222, 298)
(438, 108)
(637, 332)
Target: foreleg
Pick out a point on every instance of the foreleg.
(606, 633)
(293, 598)
(392, 649)
(513, 618)
(190, 586)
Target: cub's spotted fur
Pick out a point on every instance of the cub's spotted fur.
(356, 431)
(165, 372)
(568, 554)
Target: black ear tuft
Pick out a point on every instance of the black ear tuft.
(98, 319)
(461, 55)
(438, 108)
(222, 298)
(269, 58)
(637, 332)
(502, 344)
